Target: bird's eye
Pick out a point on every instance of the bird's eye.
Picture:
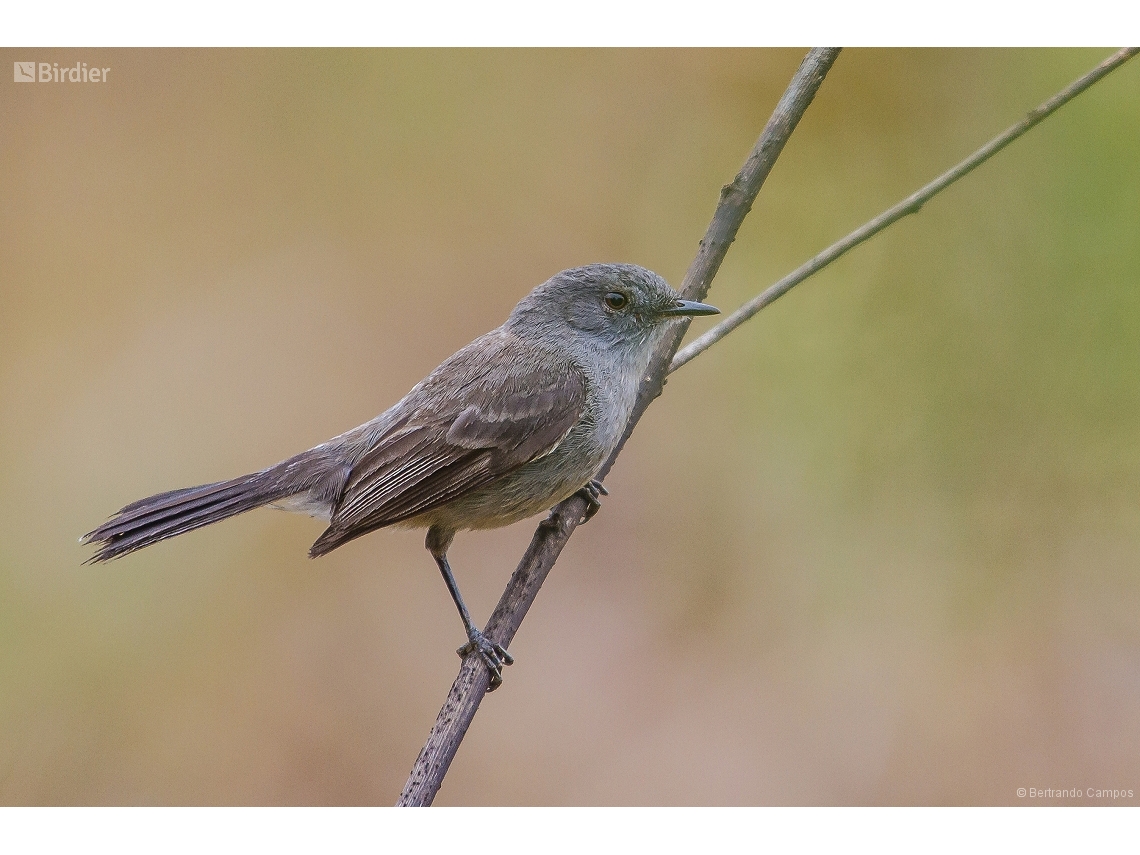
(616, 300)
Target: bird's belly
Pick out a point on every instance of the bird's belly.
(529, 490)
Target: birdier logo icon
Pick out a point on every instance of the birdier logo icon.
(24, 72)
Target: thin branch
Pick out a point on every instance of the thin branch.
(910, 205)
(735, 202)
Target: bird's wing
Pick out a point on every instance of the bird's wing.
(482, 414)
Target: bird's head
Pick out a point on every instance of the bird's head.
(616, 305)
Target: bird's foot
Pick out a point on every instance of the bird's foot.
(494, 655)
(592, 493)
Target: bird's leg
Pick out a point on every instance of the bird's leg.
(494, 655)
(592, 493)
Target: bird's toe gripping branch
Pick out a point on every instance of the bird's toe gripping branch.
(592, 493)
(494, 655)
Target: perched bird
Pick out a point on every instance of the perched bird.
(509, 426)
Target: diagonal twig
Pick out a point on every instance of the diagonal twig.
(736, 201)
(910, 205)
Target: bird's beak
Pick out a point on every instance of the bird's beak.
(689, 308)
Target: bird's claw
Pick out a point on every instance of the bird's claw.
(592, 493)
(494, 655)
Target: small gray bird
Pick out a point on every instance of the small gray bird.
(509, 426)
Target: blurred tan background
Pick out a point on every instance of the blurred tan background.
(881, 546)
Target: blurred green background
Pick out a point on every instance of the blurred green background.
(880, 546)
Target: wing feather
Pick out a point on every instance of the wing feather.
(488, 410)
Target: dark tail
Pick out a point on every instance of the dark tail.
(158, 517)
